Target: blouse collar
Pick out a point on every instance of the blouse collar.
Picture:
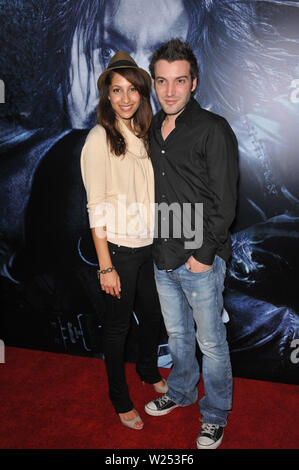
(135, 144)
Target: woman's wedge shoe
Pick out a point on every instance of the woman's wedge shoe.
(131, 423)
(161, 388)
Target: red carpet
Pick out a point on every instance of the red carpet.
(57, 401)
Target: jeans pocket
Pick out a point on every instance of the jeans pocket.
(199, 273)
(223, 266)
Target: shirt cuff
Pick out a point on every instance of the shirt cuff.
(205, 254)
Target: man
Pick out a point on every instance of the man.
(194, 154)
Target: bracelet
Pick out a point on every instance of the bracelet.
(104, 271)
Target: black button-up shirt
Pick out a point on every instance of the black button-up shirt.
(196, 172)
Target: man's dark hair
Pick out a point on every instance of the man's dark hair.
(173, 50)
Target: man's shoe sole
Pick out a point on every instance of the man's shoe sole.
(159, 413)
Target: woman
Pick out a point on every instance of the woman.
(118, 178)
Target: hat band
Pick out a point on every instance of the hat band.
(122, 63)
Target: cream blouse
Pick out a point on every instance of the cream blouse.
(120, 190)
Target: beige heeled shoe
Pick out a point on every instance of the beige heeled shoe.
(161, 388)
(130, 423)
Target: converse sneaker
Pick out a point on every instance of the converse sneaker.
(210, 436)
(161, 406)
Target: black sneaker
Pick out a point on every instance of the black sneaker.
(161, 406)
(210, 436)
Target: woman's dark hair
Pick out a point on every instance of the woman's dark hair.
(141, 119)
(173, 50)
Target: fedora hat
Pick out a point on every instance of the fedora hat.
(122, 60)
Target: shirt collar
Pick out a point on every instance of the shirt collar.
(185, 116)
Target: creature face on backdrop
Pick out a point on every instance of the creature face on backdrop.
(117, 31)
(247, 53)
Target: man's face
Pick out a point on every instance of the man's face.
(136, 27)
(173, 85)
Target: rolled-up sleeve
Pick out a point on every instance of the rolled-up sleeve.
(222, 169)
(93, 170)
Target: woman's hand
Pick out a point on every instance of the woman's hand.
(110, 283)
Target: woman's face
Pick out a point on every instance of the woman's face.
(124, 98)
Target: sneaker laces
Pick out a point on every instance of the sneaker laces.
(209, 428)
(162, 400)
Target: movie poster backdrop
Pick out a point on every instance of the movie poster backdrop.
(52, 52)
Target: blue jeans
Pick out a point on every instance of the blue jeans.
(187, 297)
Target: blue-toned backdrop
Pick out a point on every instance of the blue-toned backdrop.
(51, 55)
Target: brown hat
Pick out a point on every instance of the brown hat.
(122, 60)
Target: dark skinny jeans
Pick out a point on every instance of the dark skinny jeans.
(138, 294)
